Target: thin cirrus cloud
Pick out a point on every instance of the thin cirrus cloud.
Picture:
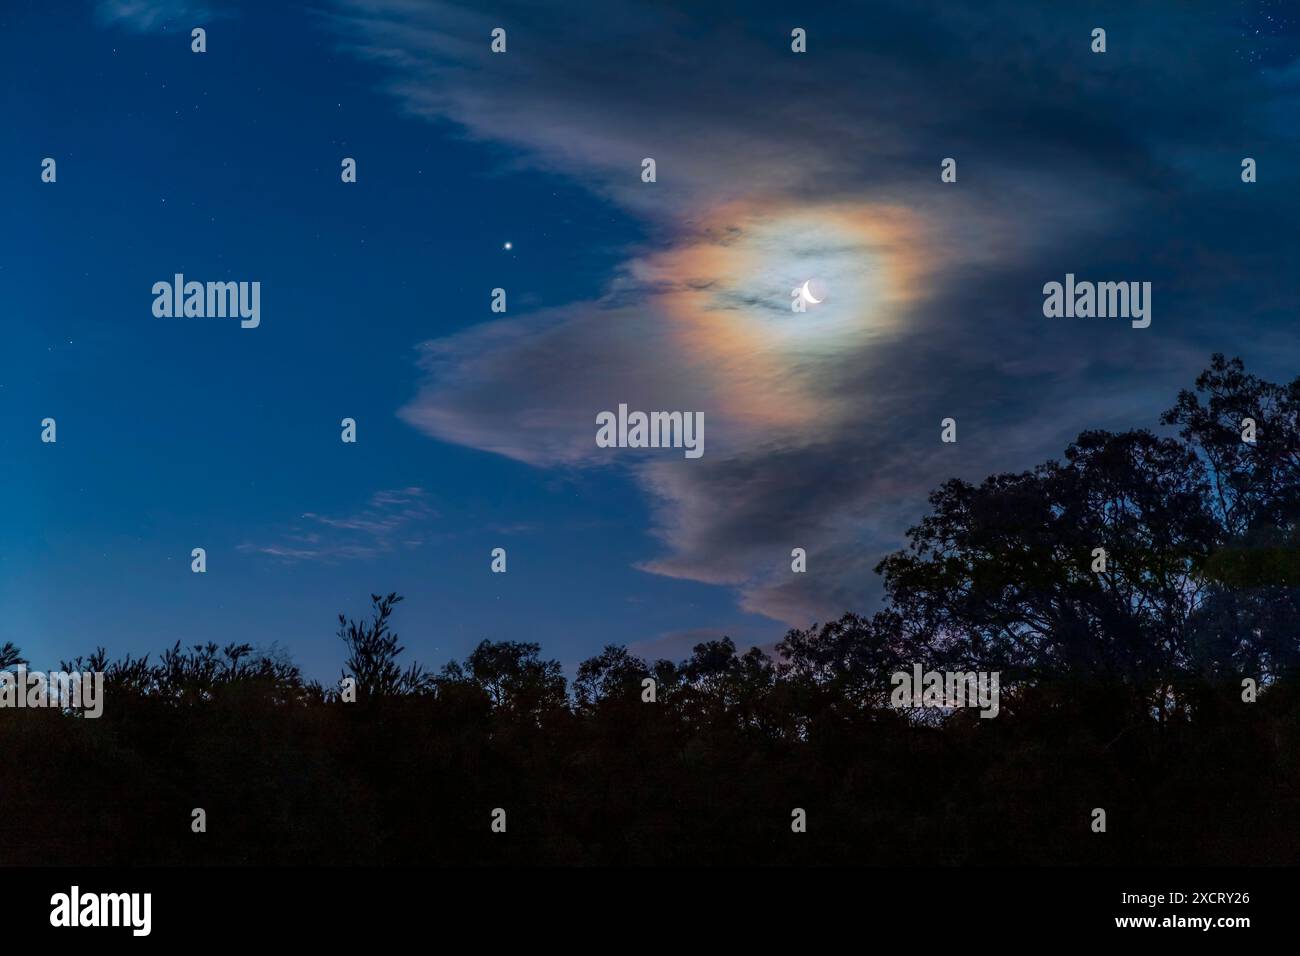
(392, 520)
(146, 16)
(822, 429)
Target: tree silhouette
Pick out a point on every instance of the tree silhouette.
(373, 651)
(611, 674)
(10, 656)
(512, 675)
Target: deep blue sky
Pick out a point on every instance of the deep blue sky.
(174, 435)
(180, 433)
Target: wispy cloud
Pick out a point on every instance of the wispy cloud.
(145, 16)
(391, 521)
(822, 429)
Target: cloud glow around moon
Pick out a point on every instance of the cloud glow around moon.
(725, 289)
(729, 286)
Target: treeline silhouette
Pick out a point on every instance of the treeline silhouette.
(1120, 689)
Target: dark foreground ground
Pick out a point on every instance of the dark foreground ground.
(697, 777)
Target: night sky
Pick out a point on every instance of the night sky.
(476, 429)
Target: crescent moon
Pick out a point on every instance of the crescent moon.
(808, 295)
